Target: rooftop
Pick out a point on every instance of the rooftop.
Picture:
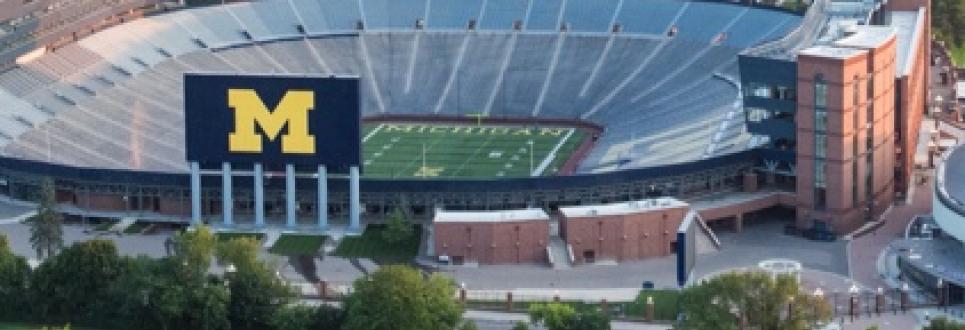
(938, 257)
(866, 36)
(490, 216)
(630, 207)
(832, 52)
(907, 25)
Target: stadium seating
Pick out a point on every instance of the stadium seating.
(662, 100)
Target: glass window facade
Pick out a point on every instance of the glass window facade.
(820, 141)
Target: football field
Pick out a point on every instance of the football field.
(406, 150)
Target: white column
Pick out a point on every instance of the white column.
(354, 204)
(227, 199)
(322, 206)
(259, 177)
(195, 193)
(290, 213)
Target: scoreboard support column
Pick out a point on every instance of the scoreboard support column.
(259, 177)
(290, 212)
(195, 193)
(227, 198)
(354, 204)
(322, 207)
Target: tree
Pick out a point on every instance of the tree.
(74, 286)
(942, 323)
(46, 227)
(557, 316)
(398, 298)
(242, 252)
(298, 317)
(398, 229)
(256, 296)
(552, 316)
(754, 298)
(14, 277)
(194, 248)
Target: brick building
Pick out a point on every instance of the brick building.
(841, 105)
(622, 231)
(491, 237)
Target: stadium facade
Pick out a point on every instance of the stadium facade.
(692, 97)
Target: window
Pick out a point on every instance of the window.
(756, 115)
(820, 145)
(856, 91)
(820, 121)
(820, 199)
(820, 92)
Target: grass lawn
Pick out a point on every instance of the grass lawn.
(227, 236)
(136, 228)
(664, 304)
(372, 245)
(395, 150)
(298, 245)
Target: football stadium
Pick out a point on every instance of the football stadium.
(476, 104)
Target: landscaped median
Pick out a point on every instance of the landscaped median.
(298, 245)
(372, 245)
(665, 305)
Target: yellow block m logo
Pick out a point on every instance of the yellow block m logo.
(291, 110)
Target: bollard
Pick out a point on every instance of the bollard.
(904, 301)
(462, 295)
(649, 309)
(853, 307)
(323, 289)
(879, 301)
(509, 301)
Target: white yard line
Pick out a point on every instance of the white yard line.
(552, 154)
(372, 133)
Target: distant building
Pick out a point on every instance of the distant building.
(491, 237)
(622, 231)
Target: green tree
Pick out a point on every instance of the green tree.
(591, 319)
(298, 317)
(552, 316)
(74, 286)
(46, 227)
(754, 298)
(398, 229)
(256, 296)
(14, 277)
(399, 298)
(242, 252)
(194, 248)
(942, 323)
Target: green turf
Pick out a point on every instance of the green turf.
(372, 245)
(395, 150)
(227, 236)
(298, 245)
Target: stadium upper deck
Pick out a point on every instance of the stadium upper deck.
(113, 99)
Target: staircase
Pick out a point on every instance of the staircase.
(557, 251)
